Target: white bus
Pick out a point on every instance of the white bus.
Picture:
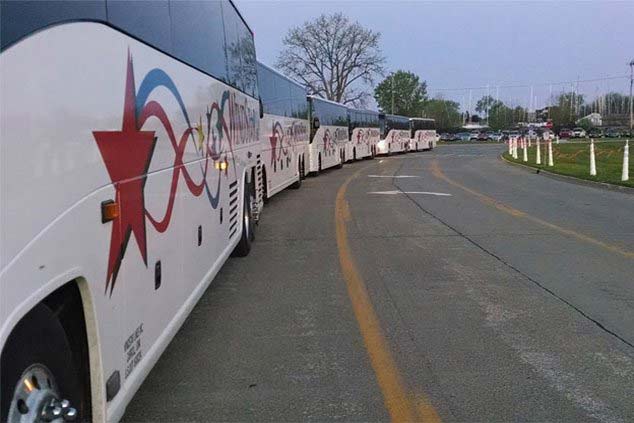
(423, 134)
(395, 133)
(328, 134)
(129, 145)
(283, 131)
(364, 133)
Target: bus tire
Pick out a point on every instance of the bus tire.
(298, 182)
(303, 172)
(342, 158)
(354, 153)
(38, 346)
(265, 187)
(247, 235)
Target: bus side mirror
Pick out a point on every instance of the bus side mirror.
(261, 108)
(316, 123)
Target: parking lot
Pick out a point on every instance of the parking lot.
(436, 285)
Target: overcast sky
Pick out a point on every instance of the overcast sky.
(475, 44)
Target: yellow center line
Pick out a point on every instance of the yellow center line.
(490, 201)
(401, 406)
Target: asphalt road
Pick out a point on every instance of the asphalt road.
(510, 299)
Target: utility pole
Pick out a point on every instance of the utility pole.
(631, 103)
(392, 78)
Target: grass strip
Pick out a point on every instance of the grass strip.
(573, 159)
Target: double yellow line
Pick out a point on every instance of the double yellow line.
(402, 405)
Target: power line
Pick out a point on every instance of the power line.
(576, 81)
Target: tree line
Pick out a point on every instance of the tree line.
(340, 60)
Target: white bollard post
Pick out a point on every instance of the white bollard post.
(550, 154)
(529, 142)
(510, 147)
(593, 164)
(515, 148)
(557, 139)
(538, 156)
(525, 152)
(625, 176)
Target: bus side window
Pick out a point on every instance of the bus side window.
(198, 37)
(21, 18)
(149, 21)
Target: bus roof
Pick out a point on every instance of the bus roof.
(374, 112)
(281, 75)
(396, 117)
(316, 97)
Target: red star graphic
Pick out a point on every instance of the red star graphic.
(126, 154)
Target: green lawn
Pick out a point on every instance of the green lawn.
(467, 142)
(573, 159)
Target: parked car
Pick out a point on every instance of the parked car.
(483, 136)
(464, 136)
(579, 133)
(495, 136)
(547, 134)
(565, 133)
(595, 133)
(473, 136)
(613, 133)
(446, 136)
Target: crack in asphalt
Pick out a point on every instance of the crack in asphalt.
(511, 266)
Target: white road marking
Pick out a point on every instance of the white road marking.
(439, 194)
(393, 176)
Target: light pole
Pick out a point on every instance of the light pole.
(392, 78)
(631, 103)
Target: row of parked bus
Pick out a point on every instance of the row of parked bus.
(138, 141)
(302, 134)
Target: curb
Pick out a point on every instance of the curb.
(571, 179)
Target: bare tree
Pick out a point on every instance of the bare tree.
(333, 57)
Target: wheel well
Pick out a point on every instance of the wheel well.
(66, 304)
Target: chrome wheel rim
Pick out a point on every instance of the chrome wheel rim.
(33, 393)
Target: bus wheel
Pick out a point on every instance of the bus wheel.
(265, 187)
(298, 182)
(354, 154)
(342, 158)
(38, 374)
(248, 227)
(303, 168)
